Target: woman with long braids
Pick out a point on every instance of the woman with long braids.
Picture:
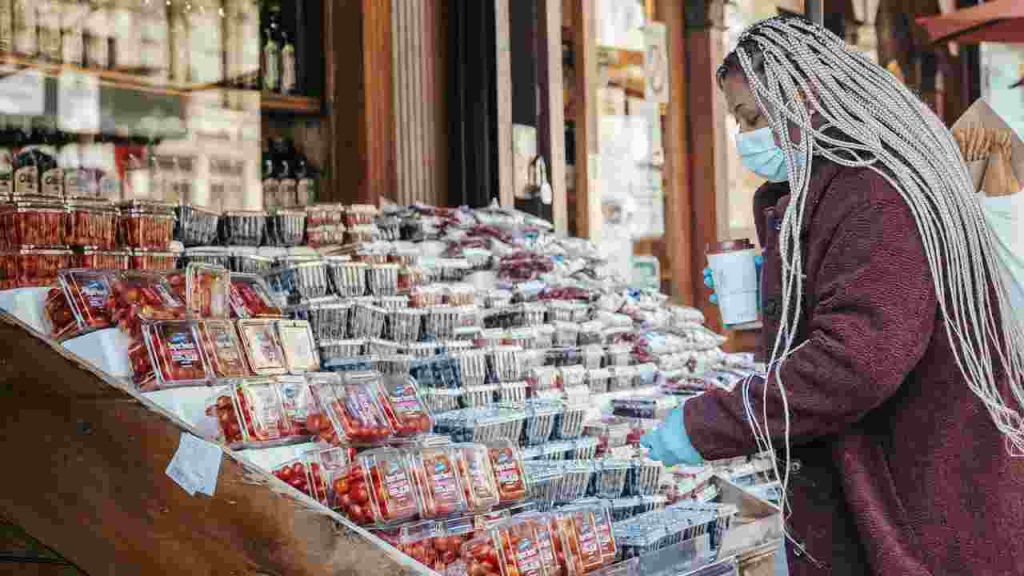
(893, 396)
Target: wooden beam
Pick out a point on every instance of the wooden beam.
(678, 193)
(503, 79)
(360, 100)
(89, 482)
(552, 107)
(584, 48)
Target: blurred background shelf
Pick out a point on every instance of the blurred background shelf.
(271, 102)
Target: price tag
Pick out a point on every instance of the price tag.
(78, 102)
(195, 465)
(23, 94)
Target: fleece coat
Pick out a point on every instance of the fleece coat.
(897, 468)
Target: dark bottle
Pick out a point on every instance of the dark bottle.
(51, 177)
(271, 185)
(305, 190)
(286, 171)
(271, 53)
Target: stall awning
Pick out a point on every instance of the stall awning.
(997, 21)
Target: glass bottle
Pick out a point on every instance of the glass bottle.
(305, 191)
(271, 185)
(97, 36)
(286, 172)
(72, 25)
(48, 19)
(26, 40)
(6, 26)
(288, 69)
(271, 53)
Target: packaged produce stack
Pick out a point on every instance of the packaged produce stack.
(475, 386)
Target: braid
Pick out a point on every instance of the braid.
(795, 69)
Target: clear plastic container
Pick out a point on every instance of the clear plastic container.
(325, 214)
(250, 298)
(403, 407)
(208, 291)
(148, 259)
(353, 402)
(91, 224)
(100, 259)
(240, 228)
(38, 223)
(339, 350)
(643, 478)
(328, 318)
(477, 477)
(545, 482)
(505, 363)
(299, 346)
(619, 355)
(472, 366)
(480, 556)
(211, 255)
(138, 295)
(576, 475)
(81, 303)
(262, 347)
(222, 349)
(300, 281)
(305, 417)
(404, 325)
(348, 278)
(609, 479)
(175, 356)
(566, 334)
(286, 227)
(569, 423)
(360, 214)
(519, 549)
(584, 448)
(479, 396)
(382, 279)
(509, 473)
(427, 296)
(439, 487)
(253, 414)
(512, 393)
(148, 226)
(314, 472)
(195, 226)
(367, 321)
(622, 378)
(592, 356)
(540, 421)
(28, 267)
(246, 261)
(599, 380)
(390, 485)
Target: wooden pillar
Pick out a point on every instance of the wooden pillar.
(586, 112)
(679, 200)
(360, 100)
(552, 106)
(503, 79)
(703, 134)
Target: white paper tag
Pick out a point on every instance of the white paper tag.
(78, 102)
(195, 465)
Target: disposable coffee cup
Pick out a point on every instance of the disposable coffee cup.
(735, 276)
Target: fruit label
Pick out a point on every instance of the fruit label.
(95, 292)
(506, 468)
(52, 182)
(396, 481)
(403, 399)
(297, 399)
(263, 409)
(183, 349)
(26, 180)
(442, 477)
(527, 557)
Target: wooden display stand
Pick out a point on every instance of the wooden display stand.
(85, 463)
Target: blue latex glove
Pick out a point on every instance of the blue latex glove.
(670, 443)
(709, 279)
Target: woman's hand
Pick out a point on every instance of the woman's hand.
(670, 443)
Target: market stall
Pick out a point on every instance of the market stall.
(347, 388)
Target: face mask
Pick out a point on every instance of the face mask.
(761, 155)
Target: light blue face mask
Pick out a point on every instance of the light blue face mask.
(761, 155)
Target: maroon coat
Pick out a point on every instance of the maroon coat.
(897, 467)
